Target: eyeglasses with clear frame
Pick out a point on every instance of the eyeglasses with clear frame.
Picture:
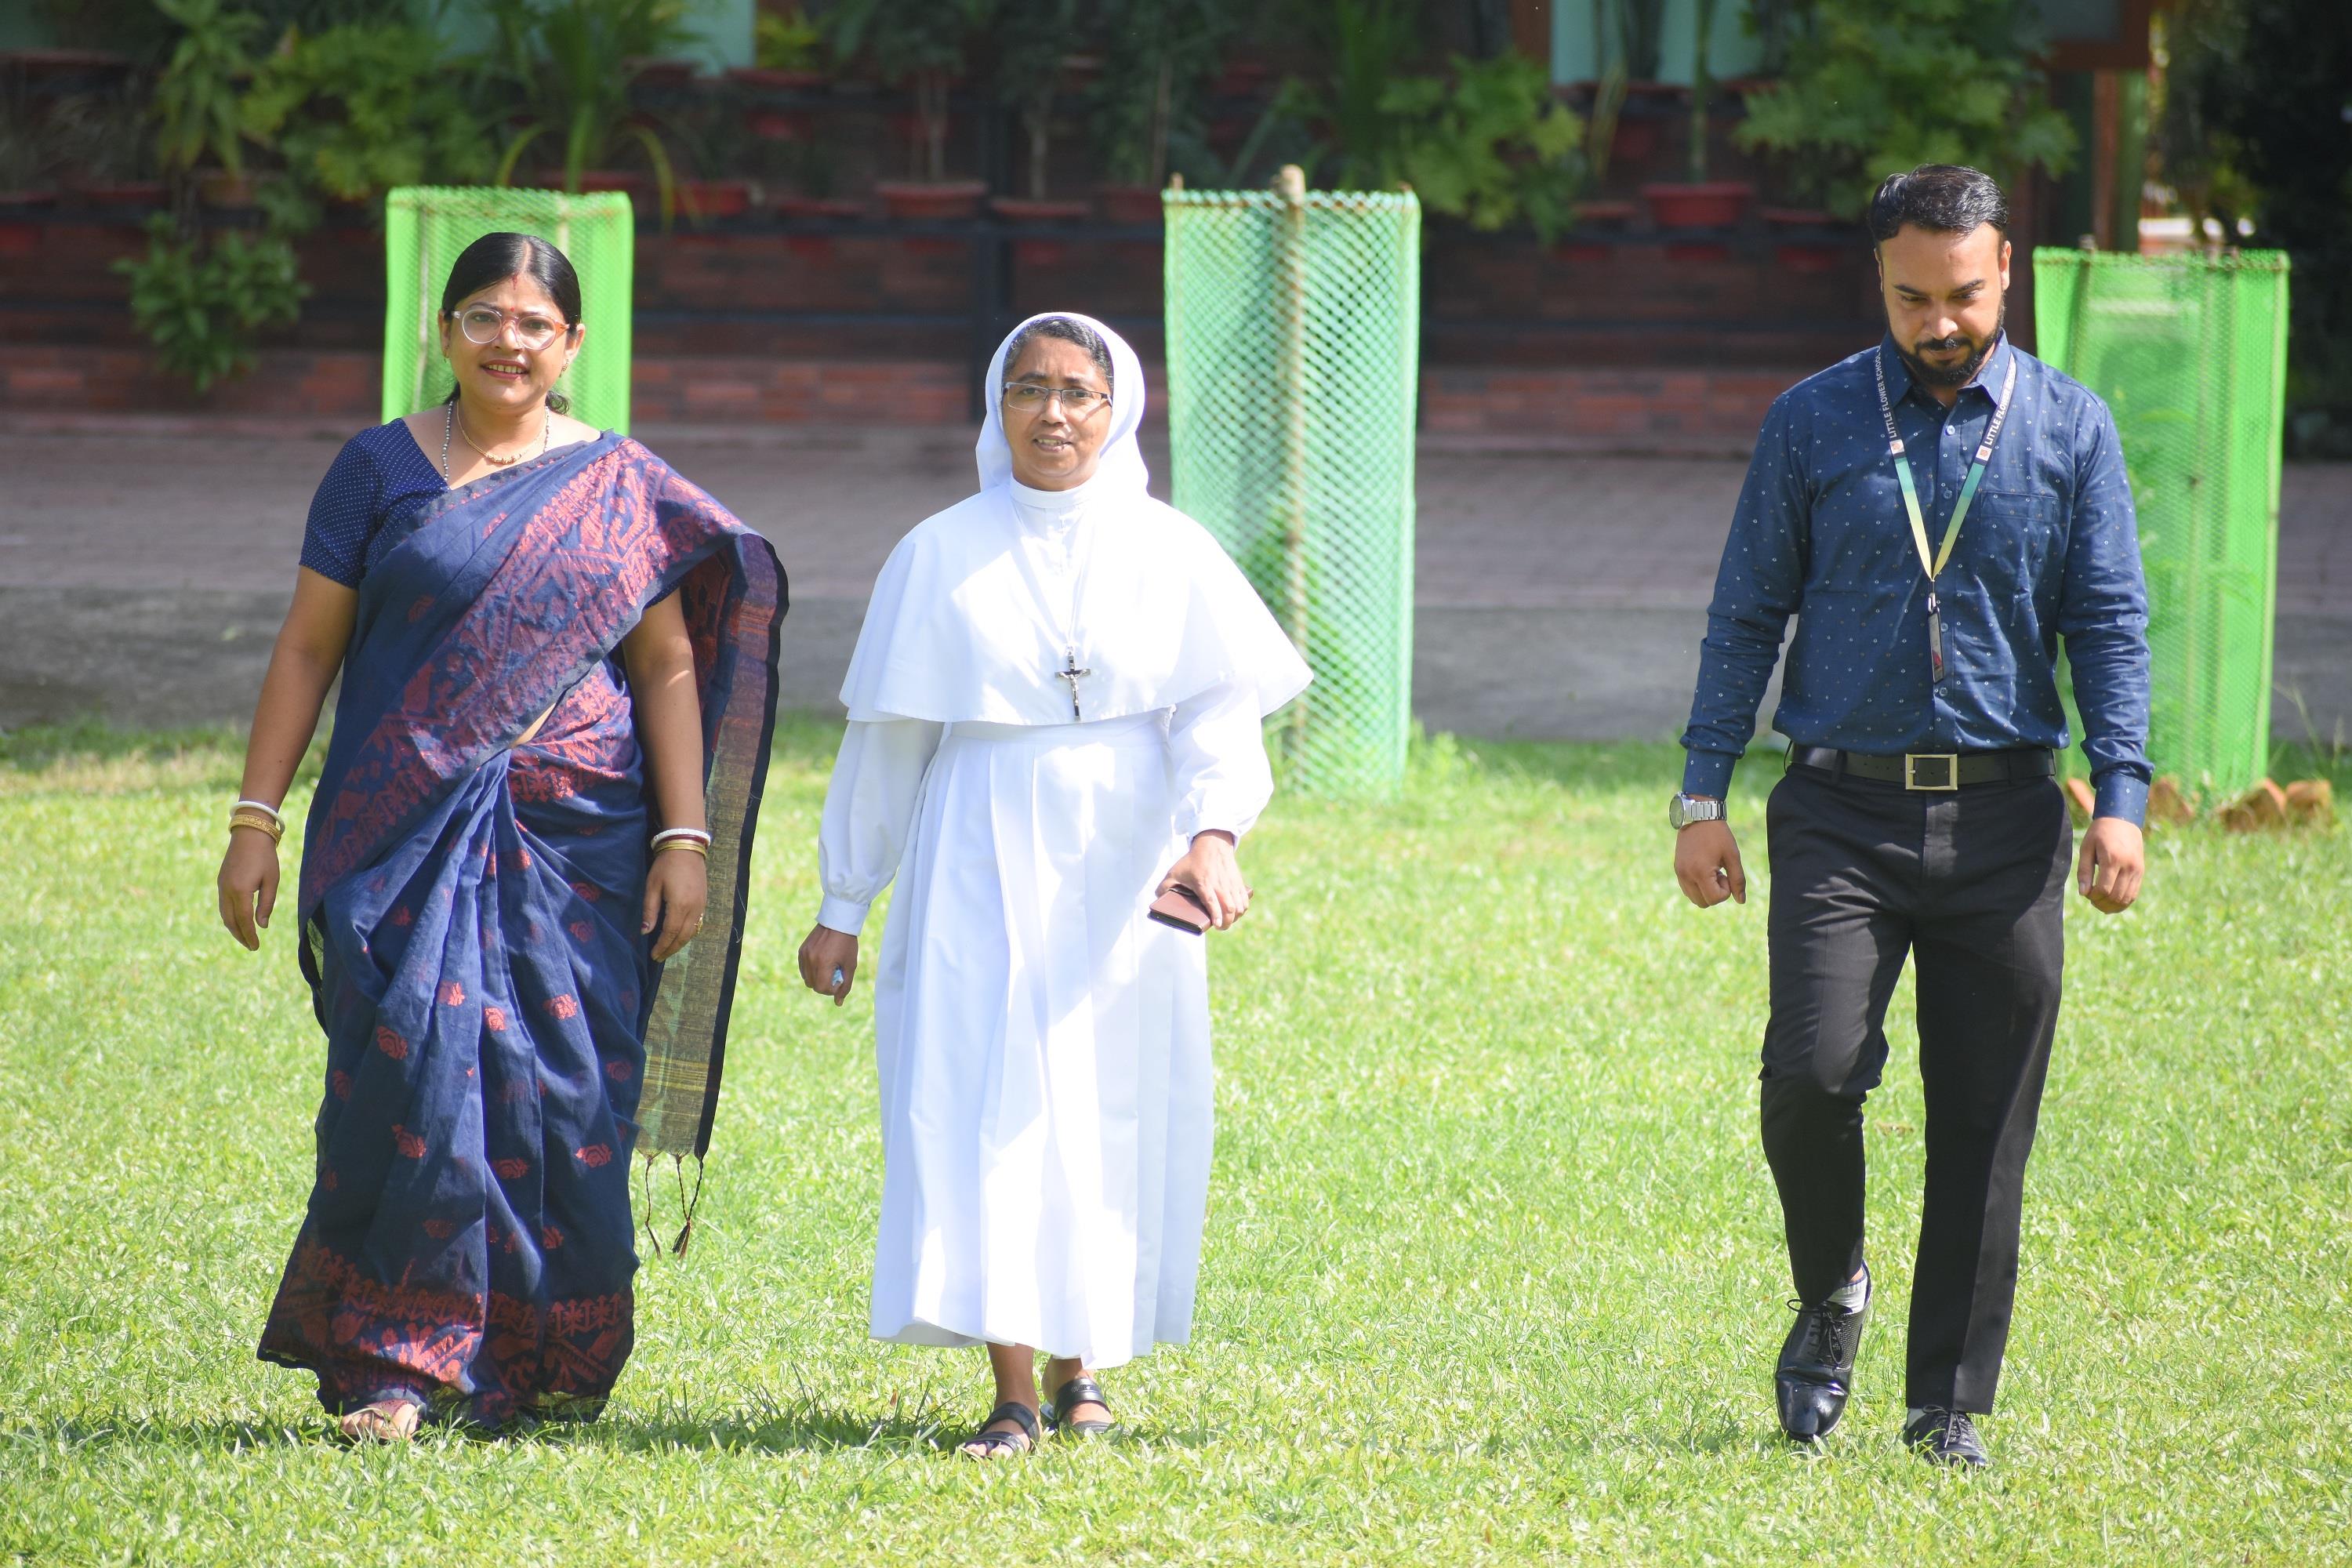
(1077, 401)
(483, 325)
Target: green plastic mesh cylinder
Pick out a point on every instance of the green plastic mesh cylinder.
(1294, 330)
(2191, 353)
(425, 228)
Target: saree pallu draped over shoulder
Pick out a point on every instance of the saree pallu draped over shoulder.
(498, 1039)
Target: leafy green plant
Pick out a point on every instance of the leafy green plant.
(1366, 47)
(2260, 96)
(1031, 42)
(200, 302)
(788, 41)
(198, 99)
(1156, 54)
(919, 44)
(569, 64)
(1887, 85)
(1488, 145)
(359, 108)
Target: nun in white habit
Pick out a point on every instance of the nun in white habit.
(1056, 715)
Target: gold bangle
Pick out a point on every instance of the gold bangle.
(258, 825)
(699, 848)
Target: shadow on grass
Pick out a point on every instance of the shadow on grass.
(36, 748)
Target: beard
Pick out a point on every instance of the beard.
(1962, 371)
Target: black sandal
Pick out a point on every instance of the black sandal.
(1079, 1390)
(997, 1445)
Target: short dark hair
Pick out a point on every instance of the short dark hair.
(1946, 197)
(494, 259)
(1068, 332)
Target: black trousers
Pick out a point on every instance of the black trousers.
(1971, 884)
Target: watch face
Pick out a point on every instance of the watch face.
(1676, 817)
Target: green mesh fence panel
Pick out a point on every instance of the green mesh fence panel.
(425, 228)
(2191, 353)
(1293, 352)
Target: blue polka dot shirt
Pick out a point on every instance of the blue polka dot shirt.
(379, 477)
(2050, 549)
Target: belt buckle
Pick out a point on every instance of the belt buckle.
(1947, 780)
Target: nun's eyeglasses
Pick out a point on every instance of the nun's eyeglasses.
(483, 323)
(1077, 401)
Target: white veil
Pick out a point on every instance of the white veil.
(1121, 466)
(954, 633)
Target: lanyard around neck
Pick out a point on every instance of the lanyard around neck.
(1935, 562)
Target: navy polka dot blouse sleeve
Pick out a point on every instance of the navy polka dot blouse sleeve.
(379, 475)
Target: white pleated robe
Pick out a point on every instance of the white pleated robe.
(1042, 1047)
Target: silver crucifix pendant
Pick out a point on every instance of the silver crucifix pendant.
(1073, 674)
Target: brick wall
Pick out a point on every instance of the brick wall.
(1715, 409)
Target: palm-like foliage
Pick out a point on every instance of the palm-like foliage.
(569, 63)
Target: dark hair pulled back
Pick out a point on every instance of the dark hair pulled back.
(494, 259)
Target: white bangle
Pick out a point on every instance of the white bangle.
(269, 811)
(667, 834)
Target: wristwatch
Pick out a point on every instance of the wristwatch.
(1686, 809)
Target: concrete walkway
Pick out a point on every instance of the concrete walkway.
(143, 570)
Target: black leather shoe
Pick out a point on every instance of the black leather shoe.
(1816, 1369)
(1946, 1437)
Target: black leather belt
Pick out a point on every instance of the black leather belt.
(1930, 770)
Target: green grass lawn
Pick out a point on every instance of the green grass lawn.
(1494, 1268)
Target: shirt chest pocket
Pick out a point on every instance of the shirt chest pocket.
(2009, 542)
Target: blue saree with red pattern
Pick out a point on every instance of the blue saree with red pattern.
(499, 1041)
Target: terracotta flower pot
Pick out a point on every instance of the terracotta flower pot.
(1798, 257)
(767, 80)
(1035, 210)
(834, 207)
(1716, 204)
(1242, 78)
(715, 198)
(640, 188)
(19, 238)
(1635, 142)
(781, 124)
(662, 72)
(924, 202)
(130, 194)
(1135, 204)
(222, 189)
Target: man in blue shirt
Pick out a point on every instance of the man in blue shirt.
(1937, 512)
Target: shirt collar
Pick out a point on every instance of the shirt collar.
(1987, 377)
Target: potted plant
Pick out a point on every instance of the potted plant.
(1156, 54)
(199, 97)
(1486, 144)
(1699, 203)
(1032, 41)
(1629, 79)
(356, 110)
(920, 45)
(790, 50)
(570, 65)
(1964, 88)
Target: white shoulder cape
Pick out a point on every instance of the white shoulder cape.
(955, 631)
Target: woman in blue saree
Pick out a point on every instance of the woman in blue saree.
(558, 663)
